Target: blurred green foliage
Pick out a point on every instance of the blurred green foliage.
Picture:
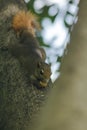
(42, 13)
(41, 8)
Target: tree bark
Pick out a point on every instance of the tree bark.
(20, 101)
(67, 105)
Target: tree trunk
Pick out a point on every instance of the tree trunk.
(20, 101)
(67, 105)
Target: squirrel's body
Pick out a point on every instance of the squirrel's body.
(29, 53)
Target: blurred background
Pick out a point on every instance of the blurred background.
(57, 19)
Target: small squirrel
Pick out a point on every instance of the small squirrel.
(29, 53)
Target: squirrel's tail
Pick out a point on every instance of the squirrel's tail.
(25, 20)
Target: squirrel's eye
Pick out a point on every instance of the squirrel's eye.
(42, 72)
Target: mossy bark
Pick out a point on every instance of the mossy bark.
(20, 101)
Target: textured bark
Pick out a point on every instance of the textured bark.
(20, 101)
(67, 105)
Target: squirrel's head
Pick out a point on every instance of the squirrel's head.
(43, 73)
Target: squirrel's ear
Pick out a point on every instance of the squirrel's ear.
(38, 64)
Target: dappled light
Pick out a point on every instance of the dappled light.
(57, 19)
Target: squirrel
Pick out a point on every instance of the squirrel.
(28, 51)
